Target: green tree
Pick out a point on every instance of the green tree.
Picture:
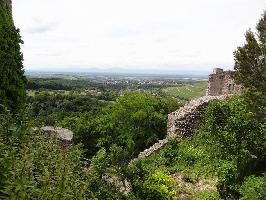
(135, 122)
(12, 79)
(250, 59)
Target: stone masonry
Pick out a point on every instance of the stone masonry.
(220, 82)
(185, 120)
(182, 122)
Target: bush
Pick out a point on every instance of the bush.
(233, 130)
(135, 121)
(159, 186)
(208, 195)
(235, 138)
(33, 166)
(228, 175)
(253, 188)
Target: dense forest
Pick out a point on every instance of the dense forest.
(224, 159)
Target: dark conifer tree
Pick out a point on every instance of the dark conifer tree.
(250, 59)
(12, 79)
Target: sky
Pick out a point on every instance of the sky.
(134, 35)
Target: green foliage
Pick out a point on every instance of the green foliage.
(228, 176)
(50, 108)
(105, 167)
(134, 121)
(229, 146)
(33, 166)
(235, 136)
(135, 117)
(253, 188)
(235, 130)
(158, 186)
(12, 80)
(208, 195)
(250, 60)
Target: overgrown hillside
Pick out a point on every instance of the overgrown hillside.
(224, 159)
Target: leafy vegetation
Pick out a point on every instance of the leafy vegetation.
(12, 92)
(159, 186)
(254, 187)
(134, 121)
(49, 108)
(250, 61)
(230, 146)
(25, 174)
(225, 159)
(34, 166)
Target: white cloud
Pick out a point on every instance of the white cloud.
(163, 34)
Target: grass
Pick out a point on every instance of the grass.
(187, 91)
(188, 164)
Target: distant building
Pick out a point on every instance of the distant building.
(220, 82)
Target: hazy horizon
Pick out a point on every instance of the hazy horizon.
(122, 71)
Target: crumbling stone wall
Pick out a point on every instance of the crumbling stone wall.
(220, 83)
(184, 121)
(229, 85)
(153, 148)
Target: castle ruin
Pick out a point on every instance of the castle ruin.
(221, 83)
(184, 121)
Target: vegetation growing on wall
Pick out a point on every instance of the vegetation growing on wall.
(225, 159)
(230, 146)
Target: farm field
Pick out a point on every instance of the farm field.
(187, 91)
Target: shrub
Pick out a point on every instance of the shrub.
(235, 137)
(33, 166)
(253, 188)
(159, 186)
(208, 195)
(228, 174)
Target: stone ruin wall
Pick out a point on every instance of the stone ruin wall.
(229, 85)
(220, 83)
(182, 122)
(185, 120)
